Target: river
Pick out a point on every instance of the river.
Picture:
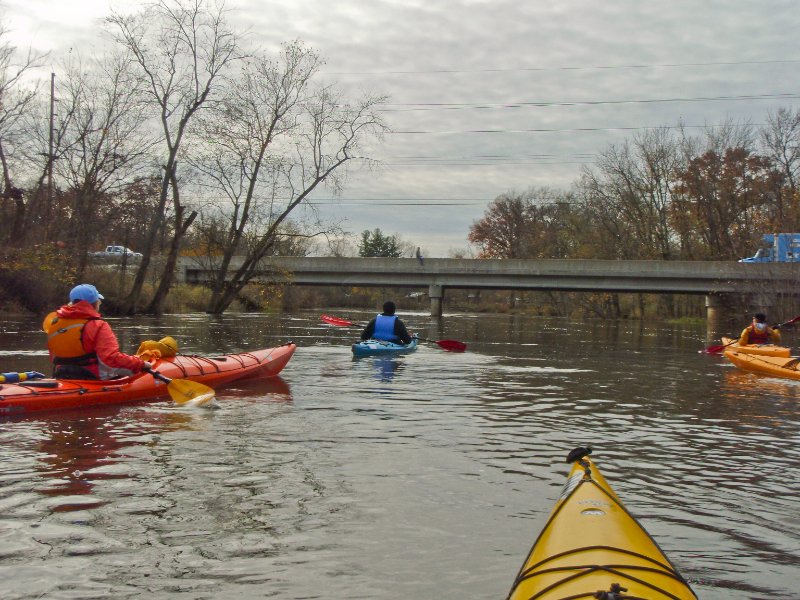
(422, 476)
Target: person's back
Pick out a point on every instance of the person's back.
(387, 326)
(82, 345)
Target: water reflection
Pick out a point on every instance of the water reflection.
(742, 384)
(272, 389)
(384, 367)
(79, 449)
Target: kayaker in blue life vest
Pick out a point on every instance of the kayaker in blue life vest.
(386, 326)
(759, 332)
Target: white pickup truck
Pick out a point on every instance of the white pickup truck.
(116, 252)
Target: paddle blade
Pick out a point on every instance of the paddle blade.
(715, 349)
(336, 321)
(452, 345)
(791, 322)
(183, 391)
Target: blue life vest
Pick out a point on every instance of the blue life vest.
(384, 328)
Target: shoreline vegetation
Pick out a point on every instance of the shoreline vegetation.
(36, 281)
(36, 290)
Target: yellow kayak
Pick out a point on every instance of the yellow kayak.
(759, 349)
(779, 366)
(592, 547)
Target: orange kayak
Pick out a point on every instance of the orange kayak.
(759, 349)
(778, 366)
(60, 394)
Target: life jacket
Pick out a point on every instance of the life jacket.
(758, 337)
(65, 341)
(384, 328)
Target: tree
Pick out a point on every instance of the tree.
(15, 105)
(628, 193)
(528, 225)
(724, 202)
(182, 48)
(103, 145)
(270, 142)
(376, 244)
(503, 230)
(781, 140)
(259, 109)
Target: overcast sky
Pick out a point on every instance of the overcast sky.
(492, 96)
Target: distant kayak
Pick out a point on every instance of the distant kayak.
(779, 366)
(376, 347)
(592, 547)
(759, 349)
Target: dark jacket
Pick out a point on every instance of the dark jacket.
(399, 330)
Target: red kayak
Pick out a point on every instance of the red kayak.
(215, 371)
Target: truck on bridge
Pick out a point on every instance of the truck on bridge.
(777, 247)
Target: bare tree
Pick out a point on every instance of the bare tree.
(182, 48)
(104, 144)
(16, 102)
(781, 136)
(275, 140)
(781, 139)
(630, 190)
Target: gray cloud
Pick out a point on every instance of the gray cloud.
(500, 54)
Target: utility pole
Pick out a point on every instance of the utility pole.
(48, 212)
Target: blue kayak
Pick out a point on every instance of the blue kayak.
(381, 347)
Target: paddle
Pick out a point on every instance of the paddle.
(721, 347)
(184, 390)
(449, 345)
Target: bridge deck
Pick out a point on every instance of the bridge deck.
(637, 276)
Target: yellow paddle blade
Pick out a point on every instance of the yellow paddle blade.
(183, 390)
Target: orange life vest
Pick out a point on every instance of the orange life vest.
(65, 341)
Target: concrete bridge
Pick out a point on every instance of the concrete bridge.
(715, 280)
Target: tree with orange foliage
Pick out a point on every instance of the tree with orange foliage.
(722, 203)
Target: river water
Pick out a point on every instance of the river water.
(422, 476)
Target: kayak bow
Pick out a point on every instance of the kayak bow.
(592, 547)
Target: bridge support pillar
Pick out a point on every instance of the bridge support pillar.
(436, 293)
(719, 313)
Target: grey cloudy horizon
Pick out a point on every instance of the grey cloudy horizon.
(487, 97)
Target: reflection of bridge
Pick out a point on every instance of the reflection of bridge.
(712, 279)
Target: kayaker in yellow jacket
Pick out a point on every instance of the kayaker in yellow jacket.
(758, 332)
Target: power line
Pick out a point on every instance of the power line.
(585, 68)
(561, 130)
(381, 202)
(429, 106)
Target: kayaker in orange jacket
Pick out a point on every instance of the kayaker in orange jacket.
(758, 332)
(82, 345)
